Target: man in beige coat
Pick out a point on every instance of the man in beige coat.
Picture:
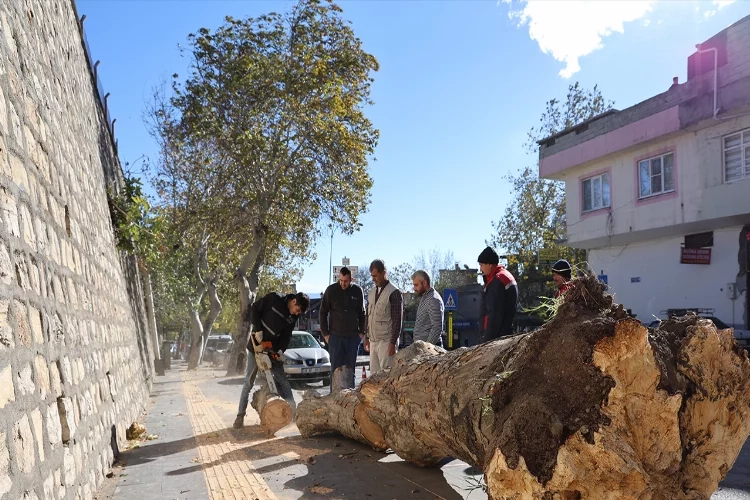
(385, 313)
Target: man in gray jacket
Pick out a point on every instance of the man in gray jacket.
(428, 326)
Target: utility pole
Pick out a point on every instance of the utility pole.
(330, 258)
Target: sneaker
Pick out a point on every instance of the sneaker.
(239, 422)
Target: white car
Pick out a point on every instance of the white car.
(305, 360)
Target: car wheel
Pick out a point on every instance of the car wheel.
(326, 382)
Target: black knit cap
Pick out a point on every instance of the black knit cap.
(562, 267)
(488, 256)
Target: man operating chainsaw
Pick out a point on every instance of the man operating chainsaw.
(272, 321)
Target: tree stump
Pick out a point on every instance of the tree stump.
(342, 378)
(590, 405)
(275, 412)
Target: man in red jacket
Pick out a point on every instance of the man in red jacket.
(499, 299)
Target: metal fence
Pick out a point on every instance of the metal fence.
(93, 66)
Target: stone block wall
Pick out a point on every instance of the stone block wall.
(75, 366)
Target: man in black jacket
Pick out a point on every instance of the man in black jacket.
(500, 297)
(274, 316)
(342, 321)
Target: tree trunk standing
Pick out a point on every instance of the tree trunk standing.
(238, 357)
(196, 342)
(248, 288)
(213, 313)
(342, 378)
(150, 311)
(590, 405)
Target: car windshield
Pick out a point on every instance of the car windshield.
(302, 340)
(218, 344)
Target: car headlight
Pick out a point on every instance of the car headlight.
(290, 361)
(325, 359)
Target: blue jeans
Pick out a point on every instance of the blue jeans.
(251, 371)
(343, 352)
(282, 383)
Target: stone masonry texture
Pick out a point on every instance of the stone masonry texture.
(75, 359)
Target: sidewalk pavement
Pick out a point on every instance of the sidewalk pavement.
(198, 455)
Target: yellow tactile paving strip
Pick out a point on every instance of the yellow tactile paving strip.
(229, 475)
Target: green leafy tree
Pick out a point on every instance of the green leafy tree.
(434, 262)
(138, 230)
(535, 217)
(400, 276)
(364, 279)
(266, 139)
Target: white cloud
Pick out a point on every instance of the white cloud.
(719, 4)
(571, 29)
(723, 3)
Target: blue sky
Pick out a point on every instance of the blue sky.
(459, 86)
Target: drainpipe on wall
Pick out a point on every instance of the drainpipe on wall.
(716, 75)
(716, 84)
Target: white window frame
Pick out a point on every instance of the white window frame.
(590, 180)
(653, 193)
(744, 150)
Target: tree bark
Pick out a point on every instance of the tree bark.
(151, 313)
(341, 379)
(247, 287)
(590, 405)
(213, 313)
(274, 411)
(196, 342)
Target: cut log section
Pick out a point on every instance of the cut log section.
(274, 411)
(590, 405)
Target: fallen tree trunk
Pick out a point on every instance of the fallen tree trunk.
(274, 411)
(590, 405)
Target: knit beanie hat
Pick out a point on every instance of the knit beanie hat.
(562, 267)
(488, 256)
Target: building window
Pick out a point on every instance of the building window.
(656, 175)
(737, 156)
(596, 192)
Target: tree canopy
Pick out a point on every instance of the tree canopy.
(266, 140)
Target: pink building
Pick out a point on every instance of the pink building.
(659, 193)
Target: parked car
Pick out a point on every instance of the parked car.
(319, 337)
(742, 336)
(306, 360)
(218, 348)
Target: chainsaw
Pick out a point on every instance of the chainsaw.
(263, 360)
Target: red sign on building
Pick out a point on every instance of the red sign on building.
(695, 256)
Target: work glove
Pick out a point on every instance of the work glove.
(257, 343)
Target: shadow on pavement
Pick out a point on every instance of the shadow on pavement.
(232, 381)
(324, 465)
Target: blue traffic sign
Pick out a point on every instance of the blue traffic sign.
(450, 299)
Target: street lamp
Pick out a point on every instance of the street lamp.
(330, 258)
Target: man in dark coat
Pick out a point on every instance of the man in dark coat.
(499, 298)
(342, 321)
(272, 318)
